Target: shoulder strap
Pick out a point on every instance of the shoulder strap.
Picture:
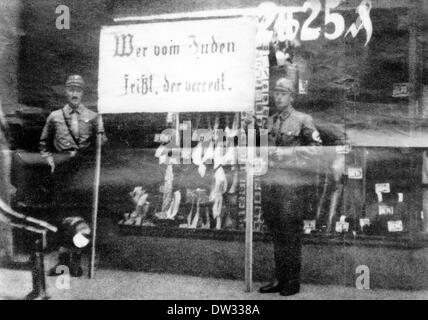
(69, 129)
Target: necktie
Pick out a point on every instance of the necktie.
(277, 130)
(75, 125)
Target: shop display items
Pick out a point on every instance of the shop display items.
(201, 194)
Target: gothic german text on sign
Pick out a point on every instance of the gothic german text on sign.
(182, 66)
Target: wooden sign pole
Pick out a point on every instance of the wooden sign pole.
(249, 209)
(96, 198)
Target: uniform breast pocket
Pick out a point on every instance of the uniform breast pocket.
(61, 130)
(85, 127)
(60, 124)
(292, 133)
(289, 136)
(291, 128)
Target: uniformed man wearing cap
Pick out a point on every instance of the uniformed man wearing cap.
(71, 129)
(67, 138)
(293, 147)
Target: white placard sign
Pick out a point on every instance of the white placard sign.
(400, 90)
(395, 226)
(364, 222)
(181, 66)
(342, 227)
(382, 188)
(355, 173)
(386, 210)
(309, 226)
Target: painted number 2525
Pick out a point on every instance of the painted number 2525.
(286, 26)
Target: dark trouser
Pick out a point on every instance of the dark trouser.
(66, 202)
(283, 208)
(68, 196)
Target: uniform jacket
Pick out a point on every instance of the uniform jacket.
(56, 136)
(296, 142)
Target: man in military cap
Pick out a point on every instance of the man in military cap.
(67, 140)
(293, 140)
(73, 128)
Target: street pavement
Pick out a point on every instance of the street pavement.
(114, 284)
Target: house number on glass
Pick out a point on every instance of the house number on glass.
(281, 21)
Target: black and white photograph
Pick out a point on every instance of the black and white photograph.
(185, 151)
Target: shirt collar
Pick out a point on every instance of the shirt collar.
(69, 110)
(284, 114)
